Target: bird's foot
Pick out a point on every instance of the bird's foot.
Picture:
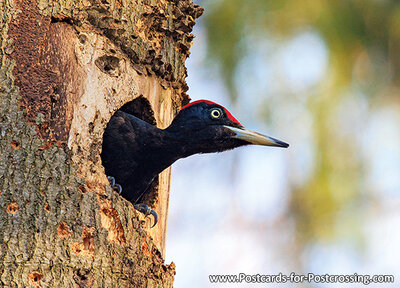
(116, 187)
(146, 210)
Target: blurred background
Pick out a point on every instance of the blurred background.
(323, 76)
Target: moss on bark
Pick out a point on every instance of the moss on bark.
(61, 224)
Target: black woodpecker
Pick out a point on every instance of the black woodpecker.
(135, 152)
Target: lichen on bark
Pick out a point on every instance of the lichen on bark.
(66, 67)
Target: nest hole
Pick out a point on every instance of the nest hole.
(140, 107)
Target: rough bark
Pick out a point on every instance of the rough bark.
(66, 67)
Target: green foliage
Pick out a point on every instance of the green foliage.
(363, 40)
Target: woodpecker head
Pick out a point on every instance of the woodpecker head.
(206, 127)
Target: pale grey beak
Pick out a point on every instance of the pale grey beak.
(256, 138)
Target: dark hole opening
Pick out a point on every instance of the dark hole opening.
(141, 108)
(107, 63)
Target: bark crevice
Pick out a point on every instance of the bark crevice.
(61, 224)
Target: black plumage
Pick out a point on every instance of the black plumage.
(135, 152)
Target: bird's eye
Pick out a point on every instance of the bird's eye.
(216, 113)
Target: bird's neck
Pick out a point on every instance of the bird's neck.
(165, 148)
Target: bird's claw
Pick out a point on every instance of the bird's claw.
(116, 187)
(146, 210)
(143, 208)
(111, 180)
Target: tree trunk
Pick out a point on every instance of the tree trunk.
(66, 67)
